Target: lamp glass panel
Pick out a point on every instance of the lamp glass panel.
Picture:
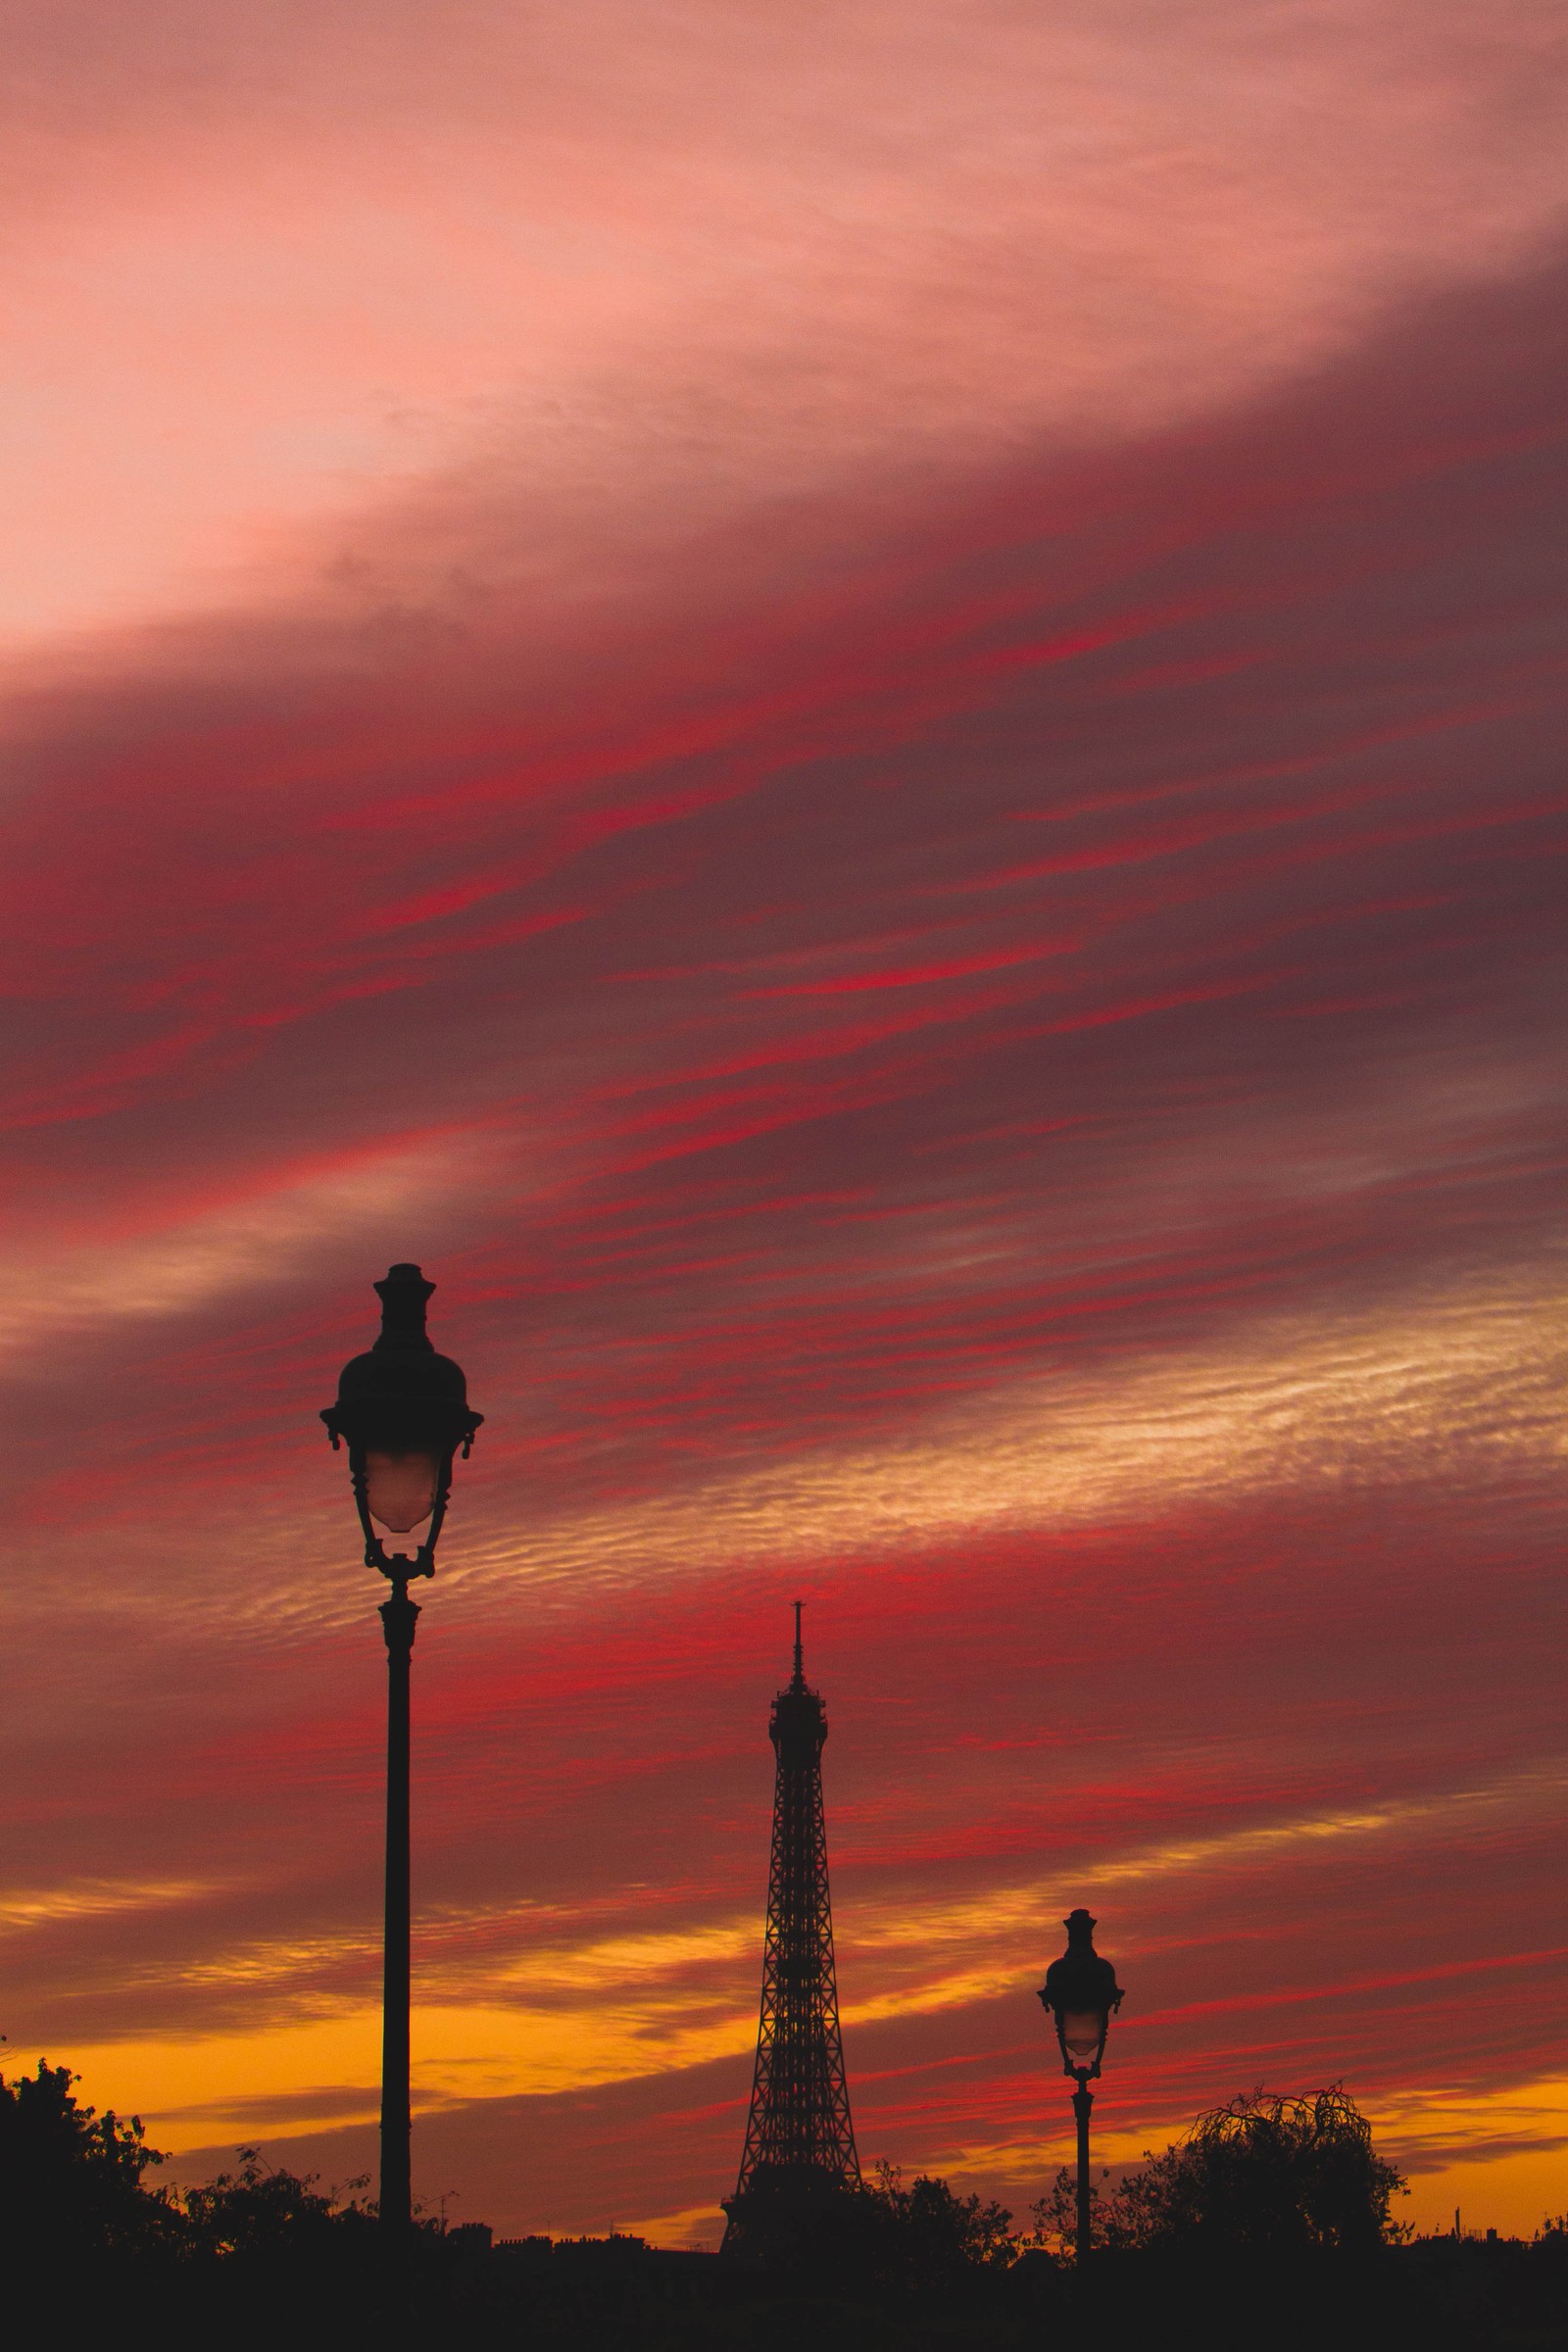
(400, 1488)
(1081, 2032)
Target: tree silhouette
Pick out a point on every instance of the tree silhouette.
(1264, 2173)
(71, 2180)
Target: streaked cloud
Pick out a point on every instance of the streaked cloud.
(176, 1262)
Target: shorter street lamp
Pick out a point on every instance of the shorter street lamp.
(403, 1412)
(1081, 1992)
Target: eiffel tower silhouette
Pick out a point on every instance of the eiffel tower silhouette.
(799, 2142)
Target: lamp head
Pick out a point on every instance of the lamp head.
(1082, 1993)
(403, 1412)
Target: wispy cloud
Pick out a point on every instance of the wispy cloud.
(1469, 1379)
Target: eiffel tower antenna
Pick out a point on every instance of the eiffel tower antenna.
(799, 2142)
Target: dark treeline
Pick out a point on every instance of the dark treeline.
(1272, 2223)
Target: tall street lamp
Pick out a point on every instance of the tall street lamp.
(403, 1412)
(1081, 1992)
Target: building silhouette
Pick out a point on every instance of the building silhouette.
(799, 2156)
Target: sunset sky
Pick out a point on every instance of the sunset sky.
(857, 710)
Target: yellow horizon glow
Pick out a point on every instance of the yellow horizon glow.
(1509, 2190)
(569, 2014)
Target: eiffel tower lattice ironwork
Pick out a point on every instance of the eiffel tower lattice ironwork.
(799, 2138)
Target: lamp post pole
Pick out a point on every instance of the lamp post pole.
(1082, 2099)
(399, 1615)
(402, 1411)
(1081, 1992)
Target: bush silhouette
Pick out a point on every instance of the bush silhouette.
(927, 2240)
(259, 2214)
